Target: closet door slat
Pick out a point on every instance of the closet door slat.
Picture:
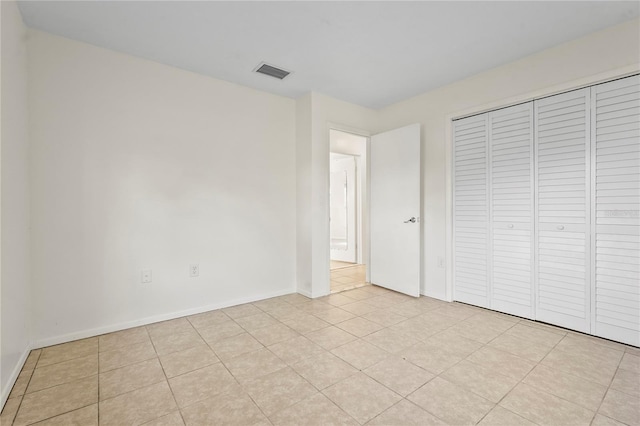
(562, 214)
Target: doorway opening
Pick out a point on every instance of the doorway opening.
(347, 203)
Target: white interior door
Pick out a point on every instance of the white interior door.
(395, 210)
(342, 192)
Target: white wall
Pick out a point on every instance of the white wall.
(563, 67)
(138, 165)
(15, 289)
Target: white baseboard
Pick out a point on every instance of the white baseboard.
(83, 334)
(305, 293)
(438, 296)
(4, 393)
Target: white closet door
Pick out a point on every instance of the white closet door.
(563, 210)
(511, 190)
(616, 225)
(471, 211)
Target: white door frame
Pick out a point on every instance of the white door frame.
(549, 91)
(363, 253)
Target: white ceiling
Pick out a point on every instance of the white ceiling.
(368, 53)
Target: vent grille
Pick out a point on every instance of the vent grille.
(272, 71)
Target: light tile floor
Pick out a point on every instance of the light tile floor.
(364, 356)
(337, 264)
(348, 278)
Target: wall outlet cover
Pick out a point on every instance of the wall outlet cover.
(194, 270)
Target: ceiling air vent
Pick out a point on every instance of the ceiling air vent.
(272, 71)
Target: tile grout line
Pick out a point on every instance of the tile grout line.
(428, 371)
(25, 389)
(329, 399)
(66, 412)
(98, 402)
(596, 412)
(311, 384)
(465, 358)
(608, 388)
(582, 378)
(389, 355)
(521, 381)
(165, 374)
(66, 343)
(50, 387)
(61, 383)
(520, 321)
(60, 414)
(227, 369)
(286, 366)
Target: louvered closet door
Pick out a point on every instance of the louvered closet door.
(511, 189)
(562, 210)
(471, 211)
(616, 188)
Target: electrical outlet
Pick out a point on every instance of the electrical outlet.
(440, 262)
(194, 270)
(146, 276)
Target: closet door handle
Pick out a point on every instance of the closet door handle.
(560, 227)
(510, 225)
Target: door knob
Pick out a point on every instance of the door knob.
(560, 227)
(412, 220)
(510, 225)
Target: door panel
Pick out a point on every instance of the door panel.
(615, 159)
(471, 210)
(395, 199)
(511, 189)
(562, 133)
